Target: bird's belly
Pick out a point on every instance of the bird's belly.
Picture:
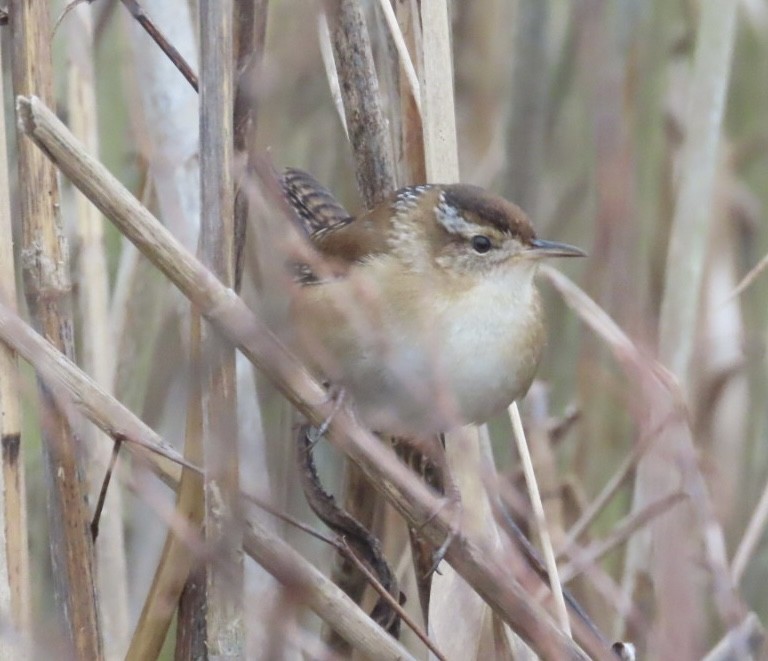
(431, 363)
(453, 370)
(491, 358)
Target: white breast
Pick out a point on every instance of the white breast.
(442, 360)
(492, 343)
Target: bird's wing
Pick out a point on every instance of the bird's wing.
(314, 204)
(336, 234)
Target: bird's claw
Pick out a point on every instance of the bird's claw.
(453, 501)
(335, 395)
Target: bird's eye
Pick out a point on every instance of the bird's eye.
(481, 244)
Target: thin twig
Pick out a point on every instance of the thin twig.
(331, 72)
(540, 518)
(384, 594)
(137, 11)
(751, 538)
(741, 642)
(748, 279)
(620, 534)
(402, 51)
(611, 488)
(104, 487)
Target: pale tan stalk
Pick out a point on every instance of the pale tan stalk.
(666, 549)
(481, 565)
(744, 641)
(539, 518)
(98, 350)
(167, 134)
(224, 578)
(45, 264)
(329, 62)
(374, 170)
(277, 557)
(591, 555)
(411, 166)
(441, 150)
(527, 128)
(14, 553)
(371, 144)
(442, 164)
(402, 51)
(177, 559)
(659, 392)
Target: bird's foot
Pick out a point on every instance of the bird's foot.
(336, 394)
(451, 501)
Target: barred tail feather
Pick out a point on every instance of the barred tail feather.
(315, 205)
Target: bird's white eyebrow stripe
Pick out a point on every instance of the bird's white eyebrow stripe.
(451, 219)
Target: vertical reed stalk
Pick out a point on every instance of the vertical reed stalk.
(45, 264)
(224, 578)
(98, 357)
(14, 554)
(374, 169)
(673, 567)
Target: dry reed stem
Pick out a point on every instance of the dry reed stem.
(360, 91)
(60, 372)
(591, 555)
(457, 616)
(45, 264)
(320, 593)
(14, 554)
(540, 518)
(745, 641)
(751, 537)
(329, 63)
(660, 393)
(670, 561)
(402, 51)
(98, 356)
(176, 561)
(224, 580)
(143, 19)
(481, 566)
(442, 165)
(374, 170)
(440, 148)
(411, 168)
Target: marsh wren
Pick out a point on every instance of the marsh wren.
(428, 315)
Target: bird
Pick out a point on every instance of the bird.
(427, 315)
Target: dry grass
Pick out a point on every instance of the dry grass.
(634, 130)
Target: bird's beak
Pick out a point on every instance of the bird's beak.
(540, 248)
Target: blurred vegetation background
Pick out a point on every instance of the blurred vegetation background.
(579, 112)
